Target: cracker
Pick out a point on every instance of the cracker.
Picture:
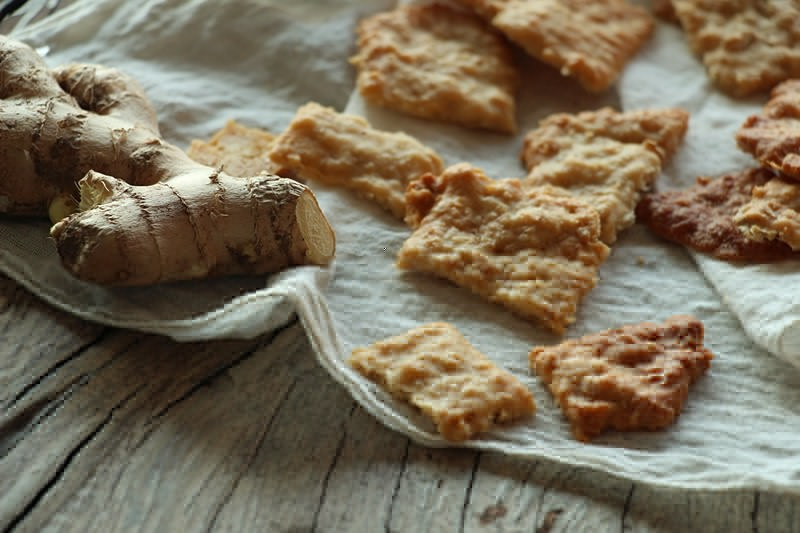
(345, 151)
(237, 149)
(631, 378)
(534, 250)
(440, 63)
(747, 46)
(604, 157)
(589, 40)
(435, 369)
(773, 137)
(701, 217)
(772, 213)
(665, 10)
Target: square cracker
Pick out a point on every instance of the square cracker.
(440, 63)
(536, 251)
(237, 149)
(606, 158)
(435, 369)
(345, 151)
(773, 212)
(747, 46)
(773, 137)
(635, 377)
(589, 40)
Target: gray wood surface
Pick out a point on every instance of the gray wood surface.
(109, 430)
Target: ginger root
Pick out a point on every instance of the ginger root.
(147, 213)
(196, 225)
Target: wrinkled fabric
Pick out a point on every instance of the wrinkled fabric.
(203, 62)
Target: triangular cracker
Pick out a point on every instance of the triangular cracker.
(773, 137)
(589, 40)
(344, 150)
(437, 62)
(635, 377)
(605, 157)
(435, 369)
(534, 250)
(747, 46)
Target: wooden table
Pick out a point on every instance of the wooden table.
(110, 430)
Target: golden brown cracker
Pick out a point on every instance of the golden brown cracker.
(237, 149)
(701, 217)
(773, 137)
(631, 378)
(773, 213)
(665, 10)
(435, 369)
(345, 151)
(534, 250)
(604, 157)
(437, 62)
(589, 40)
(747, 46)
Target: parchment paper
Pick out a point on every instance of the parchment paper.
(204, 61)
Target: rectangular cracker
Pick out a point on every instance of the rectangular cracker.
(773, 136)
(747, 46)
(238, 150)
(635, 377)
(345, 151)
(435, 369)
(437, 62)
(772, 213)
(589, 40)
(606, 158)
(534, 250)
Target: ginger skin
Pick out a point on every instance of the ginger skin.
(147, 213)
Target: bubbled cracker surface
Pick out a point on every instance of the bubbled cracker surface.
(701, 217)
(534, 250)
(604, 157)
(435, 369)
(773, 212)
(239, 150)
(773, 137)
(345, 151)
(635, 377)
(589, 40)
(747, 46)
(436, 62)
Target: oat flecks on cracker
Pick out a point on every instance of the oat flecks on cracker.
(589, 40)
(747, 46)
(535, 250)
(239, 150)
(435, 369)
(773, 213)
(345, 151)
(635, 377)
(701, 217)
(440, 63)
(773, 137)
(604, 157)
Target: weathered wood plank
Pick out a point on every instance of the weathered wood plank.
(36, 340)
(105, 414)
(361, 486)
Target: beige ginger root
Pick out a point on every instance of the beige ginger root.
(56, 125)
(147, 213)
(199, 224)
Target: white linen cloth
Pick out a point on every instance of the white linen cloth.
(204, 61)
